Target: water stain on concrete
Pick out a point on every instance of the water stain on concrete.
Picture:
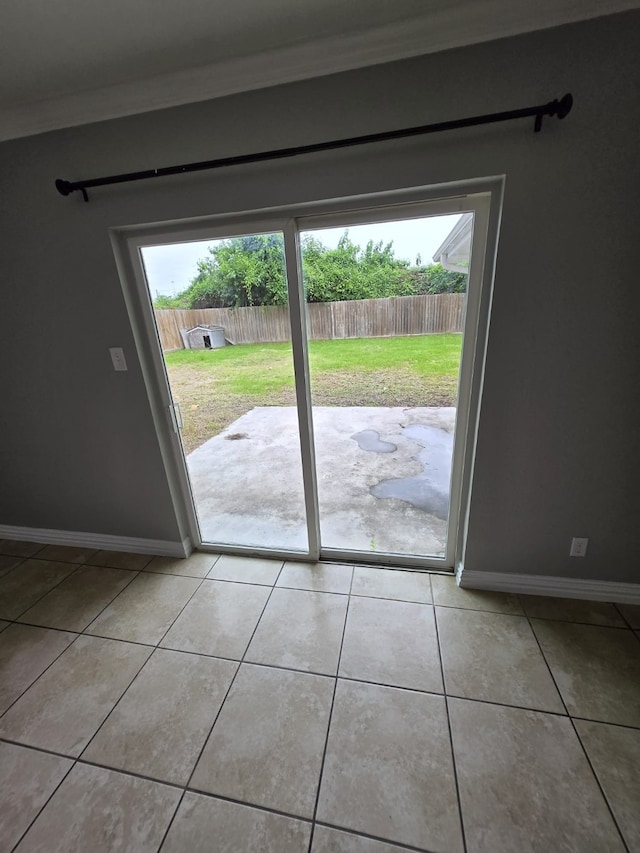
(429, 490)
(369, 439)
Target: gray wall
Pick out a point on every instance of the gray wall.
(558, 446)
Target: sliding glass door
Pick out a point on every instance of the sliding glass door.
(318, 377)
(384, 367)
(230, 372)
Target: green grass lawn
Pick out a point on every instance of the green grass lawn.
(215, 387)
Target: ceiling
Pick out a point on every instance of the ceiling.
(70, 62)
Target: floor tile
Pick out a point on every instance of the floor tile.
(14, 548)
(161, 723)
(246, 570)
(78, 599)
(388, 583)
(496, 658)
(25, 653)
(266, 746)
(235, 828)
(144, 611)
(219, 619)
(597, 670)
(27, 780)
(319, 577)
(572, 610)
(525, 783)
(614, 753)
(391, 642)
(300, 630)
(4, 624)
(21, 588)
(102, 811)
(120, 560)
(631, 613)
(447, 593)
(67, 704)
(7, 564)
(66, 553)
(327, 840)
(197, 565)
(388, 769)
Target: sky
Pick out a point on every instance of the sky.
(171, 268)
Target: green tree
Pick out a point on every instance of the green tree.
(250, 271)
(349, 272)
(435, 279)
(240, 272)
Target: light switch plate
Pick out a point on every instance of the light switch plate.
(117, 358)
(578, 547)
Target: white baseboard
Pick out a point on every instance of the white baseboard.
(623, 593)
(101, 541)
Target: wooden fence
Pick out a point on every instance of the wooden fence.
(365, 318)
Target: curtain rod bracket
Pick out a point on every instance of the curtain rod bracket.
(560, 108)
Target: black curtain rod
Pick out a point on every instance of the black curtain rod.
(559, 108)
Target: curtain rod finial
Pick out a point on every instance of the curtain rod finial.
(64, 187)
(564, 105)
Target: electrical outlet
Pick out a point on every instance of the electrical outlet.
(117, 358)
(578, 547)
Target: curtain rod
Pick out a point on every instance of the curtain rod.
(559, 108)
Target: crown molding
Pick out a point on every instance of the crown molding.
(462, 23)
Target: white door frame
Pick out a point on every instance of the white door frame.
(482, 196)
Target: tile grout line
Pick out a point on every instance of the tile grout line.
(135, 574)
(171, 820)
(602, 791)
(44, 627)
(232, 682)
(215, 720)
(10, 571)
(18, 620)
(21, 556)
(225, 798)
(177, 560)
(44, 805)
(183, 608)
(575, 730)
(107, 566)
(55, 586)
(153, 648)
(333, 700)
(87, 762)
(35, 748)
(134, 774)
(626, 620)
(446, 705)
(359, 834)
(35, 680)
(117, 702)
(139, 642)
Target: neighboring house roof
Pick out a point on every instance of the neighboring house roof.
(455, 251)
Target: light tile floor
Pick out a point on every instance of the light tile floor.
(231, 704)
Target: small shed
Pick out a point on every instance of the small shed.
(203, 337)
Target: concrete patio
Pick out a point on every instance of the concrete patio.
(383, 479)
